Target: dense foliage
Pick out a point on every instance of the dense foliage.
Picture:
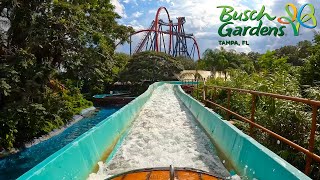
(310, 74)
(289, 119)
(188, 64)
(50, 53)
(151, 66)
(290, 70)
(221, 60)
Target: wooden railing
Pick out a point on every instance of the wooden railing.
(313, 103)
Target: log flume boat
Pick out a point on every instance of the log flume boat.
(166, 173)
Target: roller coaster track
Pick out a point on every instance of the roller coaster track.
(167, 37)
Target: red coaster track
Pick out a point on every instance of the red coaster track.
(167, 37)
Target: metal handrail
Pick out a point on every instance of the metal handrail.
(278, 96)
(313, 103)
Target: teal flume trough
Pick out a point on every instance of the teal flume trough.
(79, 158)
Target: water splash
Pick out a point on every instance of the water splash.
(165, 133)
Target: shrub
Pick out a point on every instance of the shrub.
(289, 119)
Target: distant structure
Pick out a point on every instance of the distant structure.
(199, 75)
(167, 37)
(220, 74)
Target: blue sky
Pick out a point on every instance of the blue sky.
(202, 19)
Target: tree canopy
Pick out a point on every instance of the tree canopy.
(222, 60)
(310, 73)
(151, 66)
(43, 45)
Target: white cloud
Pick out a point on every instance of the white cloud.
(119, 8)
(137, 14)
(302, 1)
(136, 25)
(168, 1)
(202, 19)
(152, 11)
(131, 1)
(200, 13)
(245, 49)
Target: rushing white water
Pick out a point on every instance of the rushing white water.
(165, 133)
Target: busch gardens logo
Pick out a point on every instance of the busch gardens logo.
(294, 17)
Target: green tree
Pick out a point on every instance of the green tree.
(296, 54)
(216, 60)
(271, 63)
(223, 60)
(49, 42)
(253, 57)
(310, 72)
(121, 60)
(291, 52)
(151, 66)
(188, 64)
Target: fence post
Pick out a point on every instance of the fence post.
(213, 93)
(229, 97)
(197, 89)
(253, 110)
(204, 91)
(312, 137)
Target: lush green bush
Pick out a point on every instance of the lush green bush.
(151, 66)
(22, 121)
(289, 70)
(50, 43)
(288, 119)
